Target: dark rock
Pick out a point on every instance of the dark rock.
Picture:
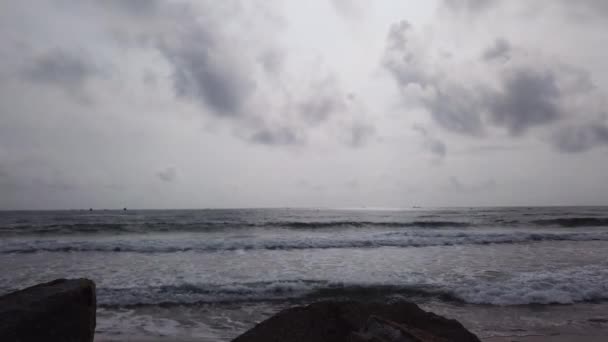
(382, 330)
(62, 310)
(357, 322)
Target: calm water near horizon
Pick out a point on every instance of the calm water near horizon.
(212, 274)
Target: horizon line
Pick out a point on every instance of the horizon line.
(371, 208)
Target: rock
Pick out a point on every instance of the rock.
(61, 310)
(357, 322)
(382, 330)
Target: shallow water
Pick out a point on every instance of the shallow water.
(222, 322)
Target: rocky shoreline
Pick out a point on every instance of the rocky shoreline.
(65, 310)
(357, 322)
(61, 310)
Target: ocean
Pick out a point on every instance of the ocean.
(209, 275)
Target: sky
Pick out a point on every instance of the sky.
(319, 103)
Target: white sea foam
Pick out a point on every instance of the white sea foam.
(144, 326)
(563, 286)
(566, 286)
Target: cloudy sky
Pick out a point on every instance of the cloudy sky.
(322, 103)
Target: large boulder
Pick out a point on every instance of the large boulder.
(62, 310)
(332, 321)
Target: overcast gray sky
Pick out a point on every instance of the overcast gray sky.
(322, 103)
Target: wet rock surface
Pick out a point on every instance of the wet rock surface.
(61, 310)
(357, 322)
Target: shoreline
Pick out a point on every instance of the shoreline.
(68, 301)
(530, 338)
(545, 338)
(595, 335)
(561, 323)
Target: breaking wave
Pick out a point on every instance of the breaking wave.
(152, 227)
(401, 239)
(582, 284)
(337, 224)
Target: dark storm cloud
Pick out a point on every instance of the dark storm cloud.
(201, 76)
(470, 5)
(437, 147)
(276, 136)
(135, 7)
(453, 107)
(68, 71)
(212, 64)
(319, 108)
(206, 68)
(401, 59)
(60, 68)
(212, 69)
(398, 35)
(501, 50)
(167, 175)
(456, 109)
(430, 143)
(520, 97)
(574, 139)
(528, 98)
(324, 100)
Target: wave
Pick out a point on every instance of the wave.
(188, 293)
(573, 222)
(404, 239)
(337, 224)
(559, 286)
(582, 284)
(23, 228)
(28, 229)
(205, 226)
(295, 290)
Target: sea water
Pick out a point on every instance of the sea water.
(209, 275)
